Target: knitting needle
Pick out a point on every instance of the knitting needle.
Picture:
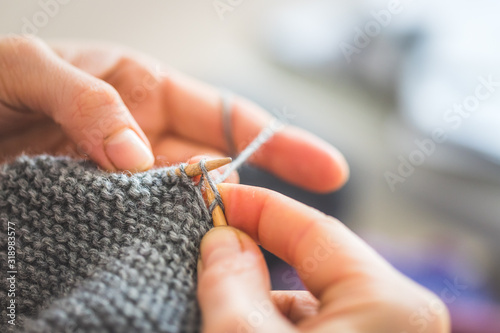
(217, 215)
(194, 169)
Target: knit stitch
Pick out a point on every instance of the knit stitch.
(100, 252)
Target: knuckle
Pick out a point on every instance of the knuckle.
(420, 310)
(126, 60)
(16, 45)
(93, 99)
(303, 240)
(145, 68)
(141, 72)
(92, 106)
(19, 54)
(135, 66)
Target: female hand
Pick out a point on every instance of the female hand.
(122, 109)
(351, 288)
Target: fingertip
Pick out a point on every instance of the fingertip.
(333, 173)
(127, 151)
(324, 168)
(225, 252)
(219, 243)
(226, 243)
(304, 160)
(232, 279)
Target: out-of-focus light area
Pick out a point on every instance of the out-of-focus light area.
(408, 90)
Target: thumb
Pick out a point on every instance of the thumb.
(89, 110)
(233, 285)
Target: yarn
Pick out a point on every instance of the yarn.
(227, 103)
(218, 198)
(265, 135)
(100, 252)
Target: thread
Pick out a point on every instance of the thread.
(265, 135)
(218, 198)
(227, 102)
(100, 252)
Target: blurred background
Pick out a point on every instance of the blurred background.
(408, 90)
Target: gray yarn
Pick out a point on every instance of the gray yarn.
(264, 135)
(100, 252)
(227, 110)
(218, 198)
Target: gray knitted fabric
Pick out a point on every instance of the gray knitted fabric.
(100, 252)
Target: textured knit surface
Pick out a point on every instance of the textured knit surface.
(100, 252)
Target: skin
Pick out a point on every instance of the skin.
(126, 111)
(75, 98)
(351, 288)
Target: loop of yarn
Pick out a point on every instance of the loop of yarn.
(97, 251)
(213, 186)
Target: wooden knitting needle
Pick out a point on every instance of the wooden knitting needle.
(217, 215)
(194, 169)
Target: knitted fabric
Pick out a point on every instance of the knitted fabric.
(100, 252)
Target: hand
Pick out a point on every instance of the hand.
(352, 289)
(116, 106)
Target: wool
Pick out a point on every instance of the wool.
(100, 252)
(264, 136)
(227, 98)
(217, 198)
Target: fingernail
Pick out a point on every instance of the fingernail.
(220, 243)
(128, 152)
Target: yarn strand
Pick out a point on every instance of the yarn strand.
(213, 186)
(265, 135)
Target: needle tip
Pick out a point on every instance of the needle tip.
(194, 169)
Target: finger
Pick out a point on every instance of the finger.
(325, 253)
(194, 111)
(233, 285)
(358, 290)
(173, 150)
(90, 111)
(290, 153)
(295, 305)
